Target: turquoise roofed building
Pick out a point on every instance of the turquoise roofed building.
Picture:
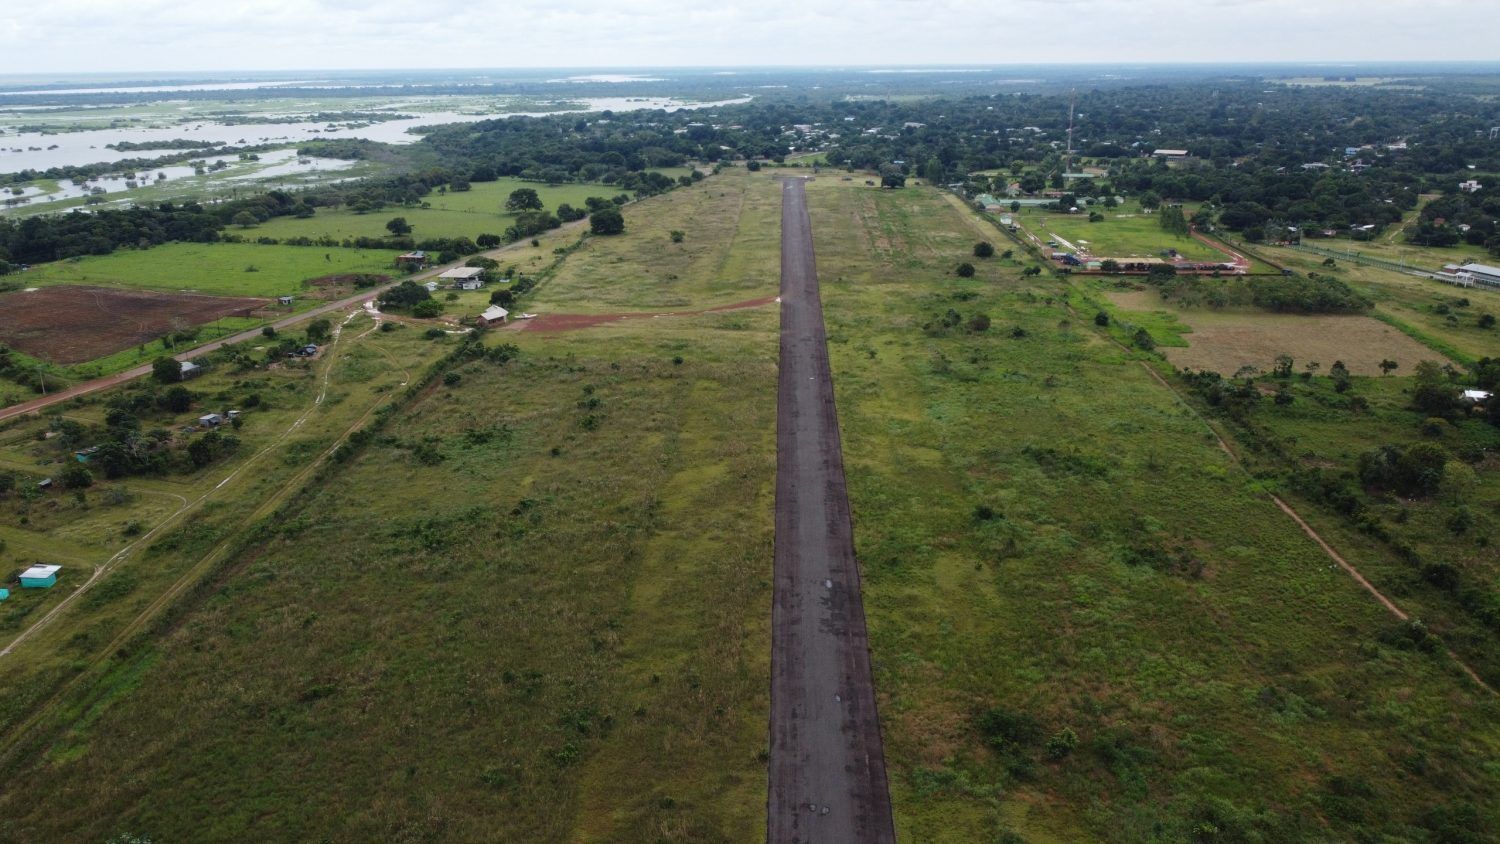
(40, 576)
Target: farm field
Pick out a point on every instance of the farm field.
(1441, 314)
(217, 269)
(69, 324)
(583, 533)
(1227, 341)
(1086, 622)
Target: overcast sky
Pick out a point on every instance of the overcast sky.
(62, 36)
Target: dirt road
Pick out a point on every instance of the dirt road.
(827, 770)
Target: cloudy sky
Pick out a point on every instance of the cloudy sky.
(62, 36)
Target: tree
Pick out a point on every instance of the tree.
(523, 199)
(76, 476)
(1150, 200)
(607, 221)
(319, 330)
(752, 166)
(245, 219)
(1486, 321)
(984, 249)
(178, 399)
(426, 309)
(398, 226)
(487, 241)
(1387, 366)
(1109, 265)
(166, 370)
(965, 270)
(1015, 205)
(933, 170)
(1101, 319)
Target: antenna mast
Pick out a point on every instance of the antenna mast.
(1072, 104)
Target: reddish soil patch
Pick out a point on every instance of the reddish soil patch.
(73, 323)
(572, 322)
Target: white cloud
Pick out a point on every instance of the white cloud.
(62, 36)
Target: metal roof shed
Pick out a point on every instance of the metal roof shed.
(39, 576)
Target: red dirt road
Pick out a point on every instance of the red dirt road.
(827, 772)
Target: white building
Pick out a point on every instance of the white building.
(1471, 186)
(464, 278)
(493, 315)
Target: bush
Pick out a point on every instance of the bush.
(76, 476)
(965, 270)
(984, 249)
(427, 309)
(607, 221)
(1101, 319)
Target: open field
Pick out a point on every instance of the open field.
(470, 213)
(1227, 341)
(219, 269)
(74, 323)
(1054, 546)
(729, 253)
(569, 586)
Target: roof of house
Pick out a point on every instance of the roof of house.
(463, 272)
(1170, 152)
(188, 366)
(1476, 395)
(494, 312)
(1481, 268)
(41, 570)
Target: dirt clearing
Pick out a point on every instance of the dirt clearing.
(70, 324)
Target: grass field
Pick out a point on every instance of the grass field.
(1126, 232)
(1048, 533)
(554, 628)
(222, 269)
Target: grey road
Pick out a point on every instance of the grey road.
(827, 770)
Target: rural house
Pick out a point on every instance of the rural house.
(189, 370)
(39, 576)
(465, 278)
(493, 315)
(210, 420)
(411, 261)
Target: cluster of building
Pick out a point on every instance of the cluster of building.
(1470, 275)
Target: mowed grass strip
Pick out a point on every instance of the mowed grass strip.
(1086, 623)
(222, 269)
(730, 252)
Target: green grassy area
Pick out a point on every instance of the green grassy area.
(730, 252)
(1125, 232)
(220, 269)
(534, 607)
(1050, 535)
(480, 210)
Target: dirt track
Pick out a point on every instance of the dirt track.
(827, 771)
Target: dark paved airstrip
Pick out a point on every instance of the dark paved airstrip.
(827, 774)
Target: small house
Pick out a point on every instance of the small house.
(210, 420)
(39, 576)
(87, 454)
(432, 286)
(464, 278)
(233, 415)
(4, 593)
(493, 315)
(411, 260)
(283, 300)
(44, 483)
(187, 369)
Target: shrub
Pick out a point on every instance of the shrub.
(984, 249)
(965, 270)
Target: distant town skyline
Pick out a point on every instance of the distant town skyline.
(175, 36)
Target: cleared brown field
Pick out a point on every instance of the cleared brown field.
(74, 323)
(1226, 342)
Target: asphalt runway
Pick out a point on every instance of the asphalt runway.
(827, 768)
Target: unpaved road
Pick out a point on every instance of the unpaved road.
(827, 770)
